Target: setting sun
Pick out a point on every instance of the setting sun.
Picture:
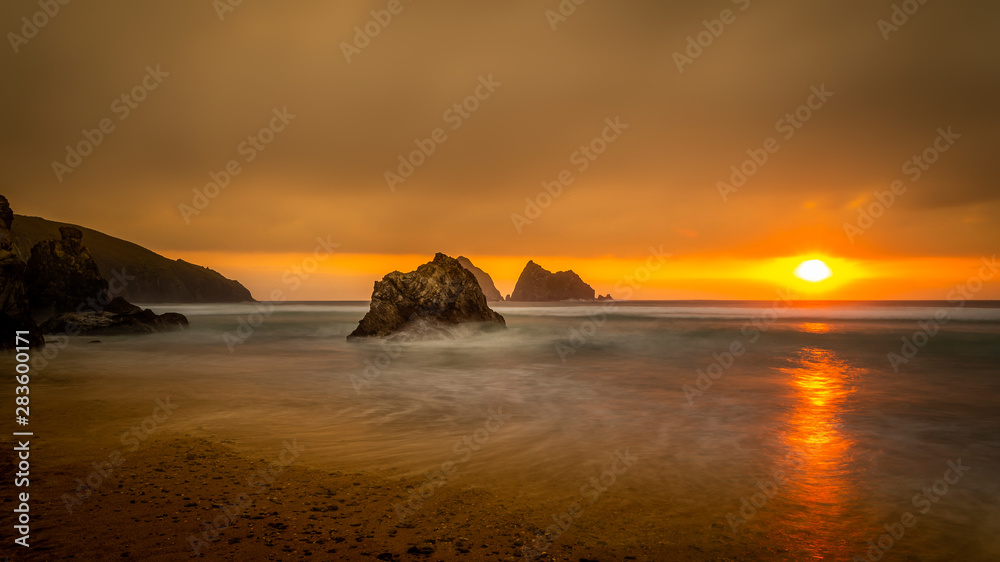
(813, 271)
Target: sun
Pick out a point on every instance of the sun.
(813, 271)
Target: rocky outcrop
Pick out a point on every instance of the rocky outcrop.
(15, 314)
(150, 277)
(485, 281)
(62, 281)
(118, 317)
(438, 295)
(65, 285)
(62, 274)
(537, 284)
(606, 297)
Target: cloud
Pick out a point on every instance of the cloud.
(325, 173)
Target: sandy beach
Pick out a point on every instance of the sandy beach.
(160, 505)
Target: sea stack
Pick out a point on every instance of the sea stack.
(537, 284)
(439, 294)
(65, 284)
(485, 281)
(62, 274)
(15, 314)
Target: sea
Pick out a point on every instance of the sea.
(829, 430)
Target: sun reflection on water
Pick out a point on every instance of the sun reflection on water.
(814, 327)
(822, 487)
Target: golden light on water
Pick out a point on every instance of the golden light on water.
(814, 327)
(822, 383)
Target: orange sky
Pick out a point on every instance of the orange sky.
(350, 276)
(533, 103)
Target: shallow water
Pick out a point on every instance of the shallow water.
(812, 395)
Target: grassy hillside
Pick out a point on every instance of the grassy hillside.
(157, 279)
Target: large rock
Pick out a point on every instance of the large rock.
(440, 293)
(537, 284)
(65, 285)
(485, 281)
(6, 221)
(15, 314)
(62, 274)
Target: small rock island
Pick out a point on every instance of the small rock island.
(438, 294)
(537, 284)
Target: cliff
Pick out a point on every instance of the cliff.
(64, 284)
(156, 278)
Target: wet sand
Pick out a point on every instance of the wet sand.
(155, 504)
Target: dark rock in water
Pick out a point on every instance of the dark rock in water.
(15, 315)
(537, 284)
(438, 294)
(173, 320)
(605, 297)
(93, 322)
(119, 305)
(62, 274)
(485, 281)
